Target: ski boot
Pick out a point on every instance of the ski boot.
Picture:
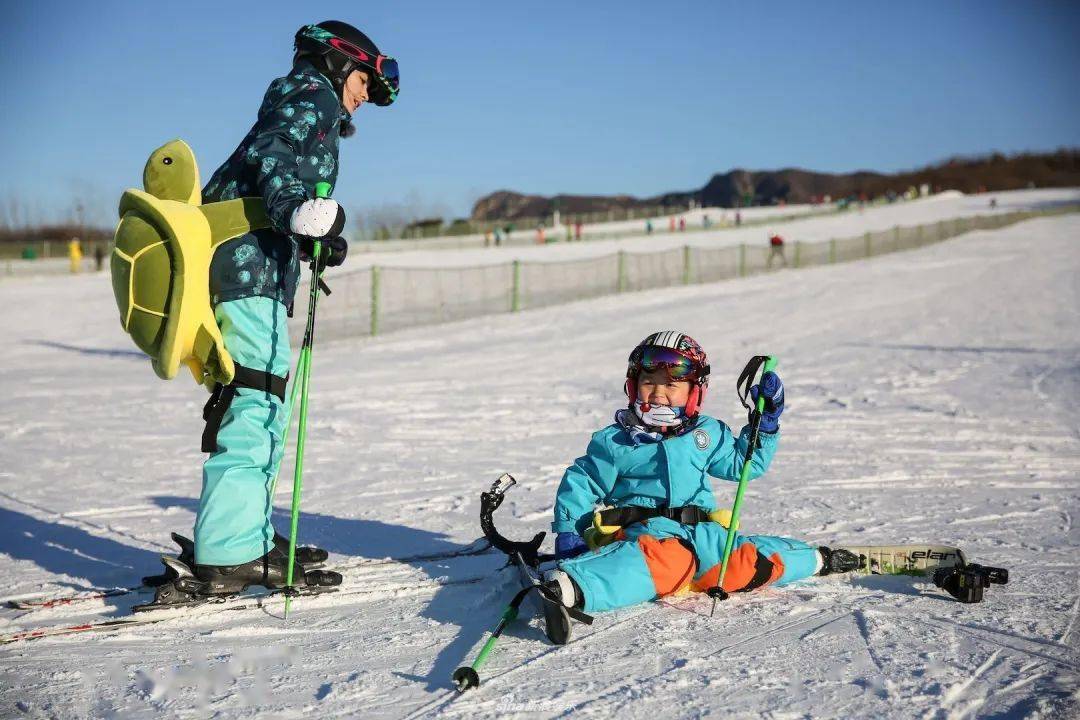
(270, 571)
(559, 594)
(839, 561)
(311, 558)
(185, 585)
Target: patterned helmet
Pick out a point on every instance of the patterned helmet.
(680, 355)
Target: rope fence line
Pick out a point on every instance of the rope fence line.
(377, 300)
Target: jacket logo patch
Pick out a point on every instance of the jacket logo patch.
(701, 439)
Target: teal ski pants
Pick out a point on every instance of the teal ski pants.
(233, 521)
(661, 557)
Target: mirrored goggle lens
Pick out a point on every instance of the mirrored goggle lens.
(678, 367)
(388, 68)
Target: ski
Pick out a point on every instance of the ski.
(41, 602)
(918, 559)
(162, 613)
(232, 602)
(49, 600)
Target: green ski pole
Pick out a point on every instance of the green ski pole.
(467, 676)
(303, 378)
(288, 427)
(717, 592)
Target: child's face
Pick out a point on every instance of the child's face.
(356, 90)
(656, 388)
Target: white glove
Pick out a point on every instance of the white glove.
(321, 217)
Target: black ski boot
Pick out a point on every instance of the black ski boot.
(270, 571)
(184, 585)
(839, 561)
(311, 558)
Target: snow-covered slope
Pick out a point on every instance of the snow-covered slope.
(932, 396)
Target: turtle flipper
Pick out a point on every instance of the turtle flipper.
(210, 362)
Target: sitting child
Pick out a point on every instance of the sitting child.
(652, 469)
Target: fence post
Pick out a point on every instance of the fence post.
(375, 282)
(742, 260)
(798, 252)
(919, 236)
(515, 286)
(621, 286)
(832, 251)
(686, 265)
(866, 239)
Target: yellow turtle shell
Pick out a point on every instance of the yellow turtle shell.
(161, 265)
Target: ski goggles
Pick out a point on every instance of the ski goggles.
(677, 365)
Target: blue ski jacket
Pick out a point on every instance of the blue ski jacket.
(292, 146)
(615, 471)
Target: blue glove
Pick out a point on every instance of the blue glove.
(774, 402)
(568, 545)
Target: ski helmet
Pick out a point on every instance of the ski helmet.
(680, 355)
(337, 48)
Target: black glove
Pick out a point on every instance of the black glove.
(334, 250)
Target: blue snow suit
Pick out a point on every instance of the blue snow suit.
(292, 146)
(660, 556)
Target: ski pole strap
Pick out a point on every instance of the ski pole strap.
(222, 397)
(630, 514)
(746, 378)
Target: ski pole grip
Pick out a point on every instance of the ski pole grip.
(322, 189)
(770, 365)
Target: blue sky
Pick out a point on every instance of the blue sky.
(540, 97)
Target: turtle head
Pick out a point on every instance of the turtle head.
(171, 173)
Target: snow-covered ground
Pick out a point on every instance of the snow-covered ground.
(932, 397)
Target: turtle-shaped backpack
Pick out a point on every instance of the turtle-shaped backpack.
(161, 264)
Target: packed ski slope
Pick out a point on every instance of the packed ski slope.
(932, 395)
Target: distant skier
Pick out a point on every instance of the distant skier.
(776, 249)
(292, 146)
(652, 469)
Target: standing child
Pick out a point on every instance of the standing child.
(652, 469)
(292, 147)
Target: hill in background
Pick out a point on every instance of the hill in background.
(748, 187)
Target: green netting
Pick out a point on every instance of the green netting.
(643, 271)
(423, 296)
(543, 284)
(713, 264)
(380, 300)
(808, 254)
(345, 313)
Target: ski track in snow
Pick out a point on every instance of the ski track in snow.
(932, 397)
